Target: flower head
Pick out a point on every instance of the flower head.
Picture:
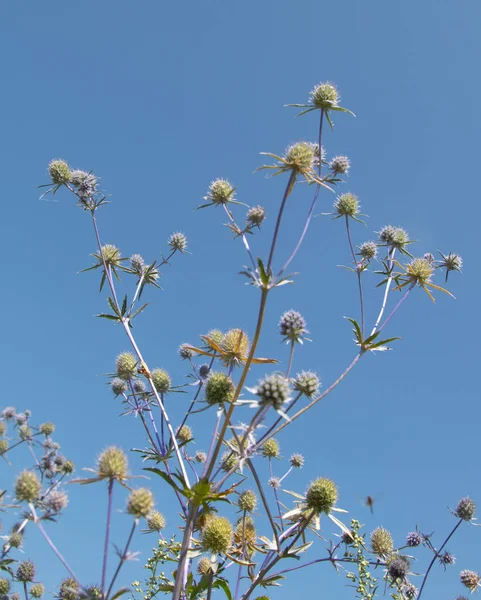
(137, 264)
(140, 503)
(347, 205)
(57, 501)
(299, 159)
(324, 96)
(59, 172)
(451, 262)
(275, 483)
(85, 184)
(112, 464)
(447, 559)
(381, 542)
(340, 165)
(185, 352)
(4, 586)
(200, 456)
(466, 509)
(368, 250)
(414, 539)
(321, 495)
(161, 380)
(156, 521)
(69, 589)
(217, 535)
(126, 365)
(410, 591)
(8, 412)
(398, 567)
(184, 434)
(235, 347)
(307, 383)
(220, 192)
(470, 579)
(27, 487)
(255, 216)
(219, 388)
(47, 428)
(274, 390)
(26, 571)
(270, 449)
(204, 566)
(292, 326)
(297, 461)
(247, 501)
(119, 386)
(178, 242)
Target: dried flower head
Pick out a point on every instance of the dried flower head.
(220, 192)
(178, 242)
(321, 495)
(184, 434)
(140, 503)
(47, 428)
(368, 250)
(255, 216)
(274, 390)
(59, 172)
(235, 347)
(297, 461)
(156, 521)
(161, 380)
(57, 501)
(126, 365)
(414, 539)
(307, 383)
(381, 542)
(26, 571)
(466, 509)
(398, 567)
(470, 579)
(217, 535)
(219, 388)
(247, 501)
(292, 326)
(27, 487)
(119, 386)
(270, 448)
(340, 165)
(112, 464)
(324, 96)
(347, 205)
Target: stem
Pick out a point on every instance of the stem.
(386, 291)
(239, 572)
(436, 556)
(209, 589)
(25, 590)
(264, 502)
(313, 204)
(289, 188)
(107, 534)
(244, 239)
(123, 558)
(358, 272)
(291, 356)
(397, 306)
(183, 562)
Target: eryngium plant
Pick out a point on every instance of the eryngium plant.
(219, 492)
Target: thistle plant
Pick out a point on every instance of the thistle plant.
(239, 521)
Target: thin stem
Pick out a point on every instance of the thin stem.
(209, 589)
(264, 502)
(107, 534)
(289, 188)
(394, 310)
(276, 496)
(239, 572)
(291, 356)
(244, 239)
(436, 556)
(25, 590)
(358, 272)
(183, 562)
(313, 204)
(386, 291)
(123, 558)
(375, 563)
(212, 442)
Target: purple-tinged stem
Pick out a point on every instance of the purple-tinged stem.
(25, 590)
(358, 272)
(386, 291)
(107, 535)
(244, 239)
(394, 310)
(123, 558)
(291, 356)
(289, 188)
(264, 502)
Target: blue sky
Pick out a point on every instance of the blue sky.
(159, 99)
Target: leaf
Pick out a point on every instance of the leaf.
(263, 274)
(340, 524)
(119, 593)
(106, 316)
(222, 584)
(299, 549)
(272, 580)
(166, 478)
(295, 494)
(139, 310)
(124, 305)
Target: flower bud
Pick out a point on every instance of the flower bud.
(126, 365)
(219, 388)
(112, 464)
(217, 535)
(321, 495)
(27, 487)
(247, 501)
(59, 172)
(161, 380)
(140, 503)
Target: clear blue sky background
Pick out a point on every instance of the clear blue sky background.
(160, 98)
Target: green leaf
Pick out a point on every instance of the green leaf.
(139, 310)
(119, 593)
(223, 585)
(263, 274)
(124, 305)
(357, 329)
(106, 316)
(166, 478)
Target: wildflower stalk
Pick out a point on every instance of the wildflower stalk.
(289, 364)
(25, 590)
(394, 310)
(358, 273)
(123, 558)
(239, 572)
(289, 188)
(264, 502)
(244, 239)
(386, 291)
(107, 534)
(436, 554)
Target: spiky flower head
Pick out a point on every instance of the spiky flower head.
(324, 96)
(235, 347)
(178, 242)
(292, 326)
(307, 383)
(68, 467)
(161, 380)
(37, 590)
(247, 501)
(381, 542)
(275, 483)
(184, 434)
(229, 461)
(137, 263)
(119, 386)
(245, 533)
(410, 591)
(140, 503)
(347, 205)
(24, 432)
(57, 501)
(139, 386)
(15, 596)
(274, 390)
(301, 157)
(340, 165)
(21, 418)
(321, 495)
(185, 352)
(4, 586)
(9, 412)
(297, 461)
(156, 521)
(219, 388)
(26, 571)
(398, 567)
(126, 365)
(220, 192)
(69, 589)
(447, 559)
(216, 336)
(396, 237)
(429, 256)
(112, 464)
(111, 255)
(414, 539)
(84, 183)
(204, 371)
(3, 446)
(59, 172)
(368, 250)
(470, 579)
(270, 448)
(15, 539)
(466, 508)
(3, 428)
(204, 566)
(451, 262)
(27, 487)
(217, 535)
(47, 428)
(255, 216)
(200, 456)
(419, 271)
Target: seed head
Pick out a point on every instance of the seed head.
(178, 241)
(184, 434)
(275, 483)
(204, 371)
(340, 165)
(204, 566)
(297, 461)
(470, 579)
(37, 590)
(368, 250)
(398, 567)
(85, 183)
(126, 365)
(274, 390)
(69, 589)
(217, 535)
(292, 326)
(270, 449)
(381, 542)
(410, 591)
(465, 509)
(347, 205)
(9, 412)
(451, 262)
(57, 501)
(27, 487)
(137, 263)
(140, 503)
(139, 386)
(307, 383)
(414, 539)
(3, 447)
(161, 380)
(247, 501)
(220, 192)
(255, 216)
(200, 456)
(119, 386)
(26, 571)
(156, 521)
(47, 428)
(68, 467)
(321, 495)
(185, 352)
(301, 157)
(112, 464)
(219, 388)
(235, 347)
(4, 586)
(324, 96)
(59, 172)
(419, 271)
(447, 559)
(15, 540)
